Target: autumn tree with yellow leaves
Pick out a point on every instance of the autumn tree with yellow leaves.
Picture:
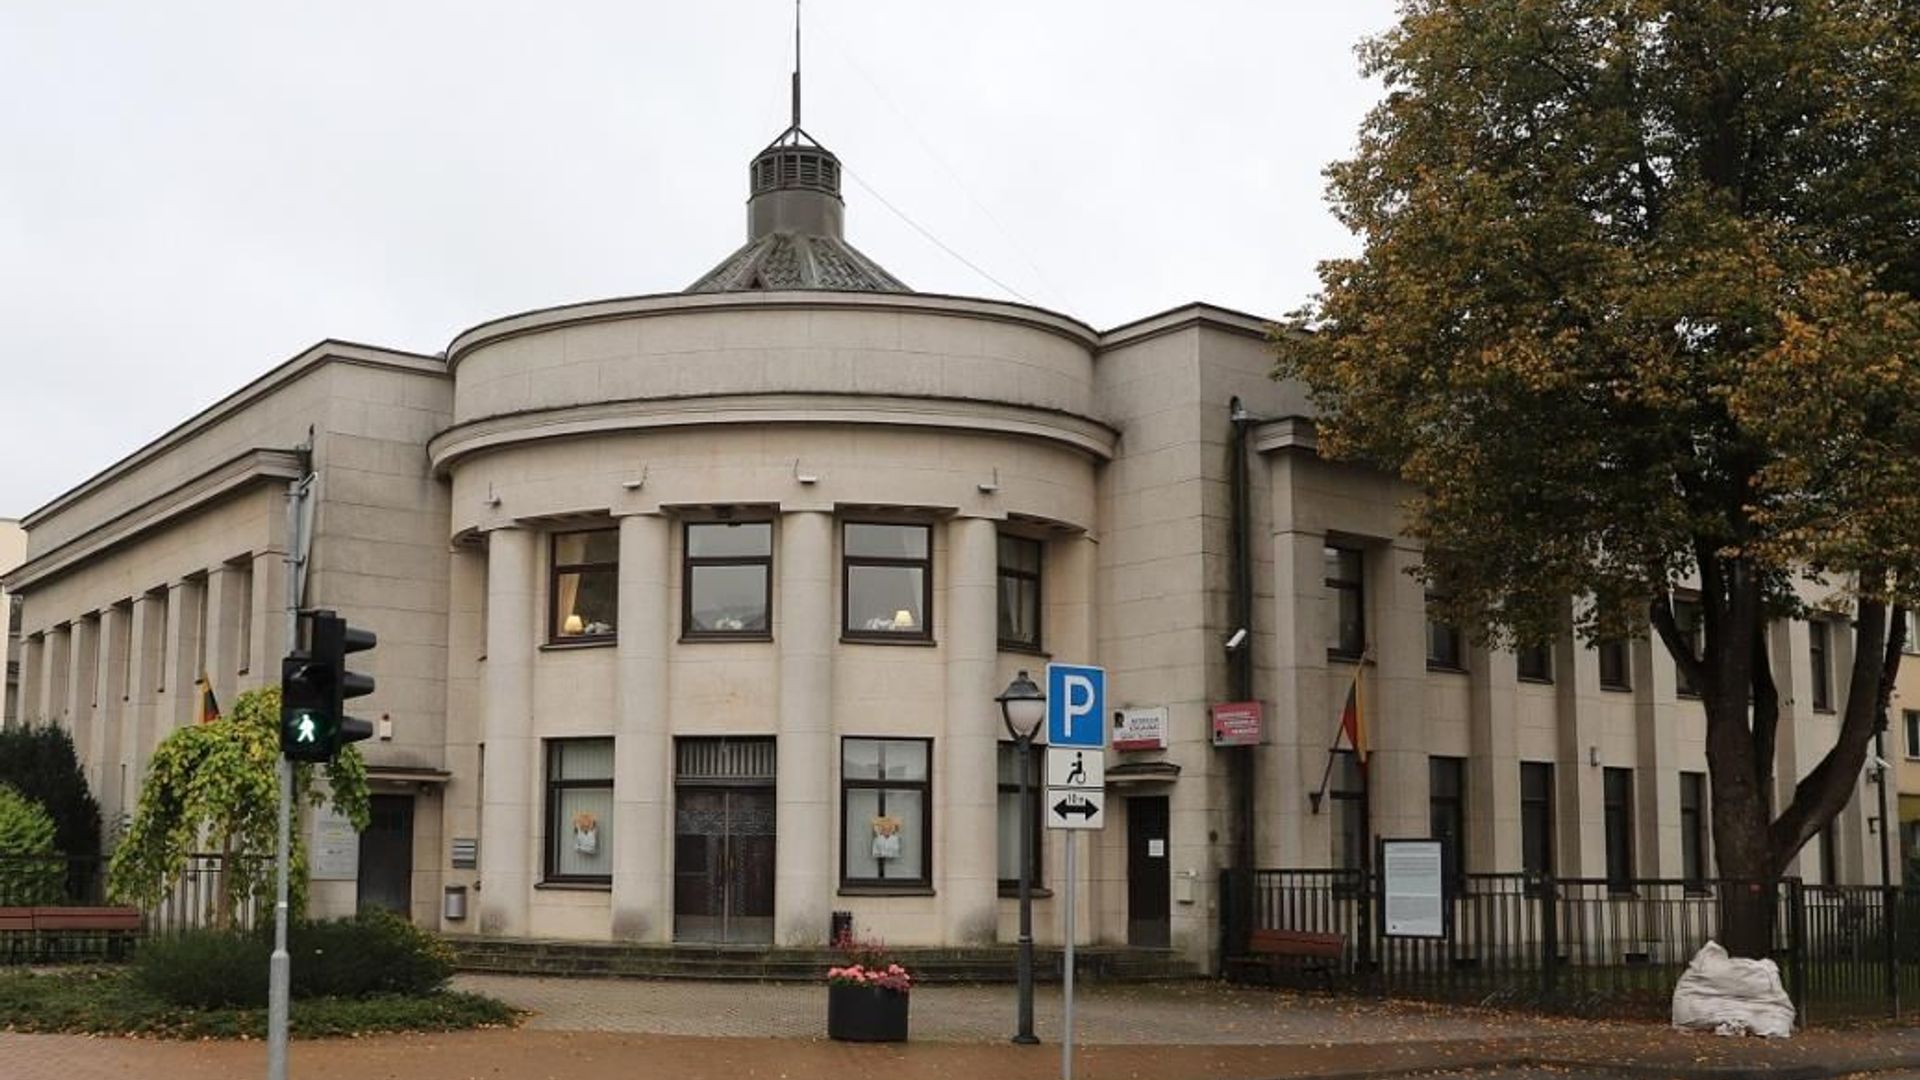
(1635, 311)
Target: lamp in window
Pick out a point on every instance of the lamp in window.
(1023, 707)
(574, 626)
(903, 619)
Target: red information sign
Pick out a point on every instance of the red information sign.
(1236, 723)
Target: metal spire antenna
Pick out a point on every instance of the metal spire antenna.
(796, 65)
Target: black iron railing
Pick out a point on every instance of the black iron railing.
(1587, 945)
(31, 882)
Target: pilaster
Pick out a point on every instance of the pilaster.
(508, 817)
(806, 624)
(643, 768)
(968, 791)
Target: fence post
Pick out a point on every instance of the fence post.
(1890, 932)
(1549, 938)
(1797, 948)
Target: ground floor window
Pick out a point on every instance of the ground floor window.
(1010, 815)
(1693, 829)
(886, 812)
(580, 810)
(1536, 817)
(1348, 794)
(1617, 815)
(1447, 814)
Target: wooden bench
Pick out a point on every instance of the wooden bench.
(43, 933)
(1304, 950)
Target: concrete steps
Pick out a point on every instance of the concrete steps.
(766, 964)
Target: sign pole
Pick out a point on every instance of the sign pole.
(279, 966)
(1073, 900)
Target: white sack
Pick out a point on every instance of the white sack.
(1732, 997)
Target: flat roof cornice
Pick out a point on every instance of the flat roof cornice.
(329, 350)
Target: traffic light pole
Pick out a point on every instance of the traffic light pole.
(279, 968)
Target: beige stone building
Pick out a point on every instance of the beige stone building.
(693, 607)
(13, 551)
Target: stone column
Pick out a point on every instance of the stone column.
(1304, 716)
(1580, 848)
(267, 642)
(642, 748)
(968, 792)
(1656, 774)
(51, 688)
(111, 717)
(1493, 763)
(807, 627)
(33, 657)
(1397, 687)
(509, 818)
(222, 598)
(183, 646)
(83, 666)
(149, 652)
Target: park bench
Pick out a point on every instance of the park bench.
(1298, 950)
(45, 933)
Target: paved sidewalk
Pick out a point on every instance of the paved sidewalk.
(606, 1029)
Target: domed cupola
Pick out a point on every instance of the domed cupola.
(795, 230)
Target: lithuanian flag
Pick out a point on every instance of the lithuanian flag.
(1353, 723)
(209, 709)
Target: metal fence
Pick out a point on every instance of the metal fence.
(59, 881)
(1585, 945)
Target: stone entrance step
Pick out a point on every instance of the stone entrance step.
(522, 956)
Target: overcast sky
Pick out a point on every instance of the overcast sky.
(192, 192)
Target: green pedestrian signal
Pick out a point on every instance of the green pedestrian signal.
(314, 683)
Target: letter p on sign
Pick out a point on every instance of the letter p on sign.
(1076, 705)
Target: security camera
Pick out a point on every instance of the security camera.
(1238, 639)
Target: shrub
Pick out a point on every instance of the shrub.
(39, 762)
(373, 953)
(205, 969)
(31, 870)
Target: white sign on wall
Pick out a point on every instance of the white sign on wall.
(1140, 729)
(1413, 896)
(334, 854)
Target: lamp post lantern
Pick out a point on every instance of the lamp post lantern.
(1023, 708)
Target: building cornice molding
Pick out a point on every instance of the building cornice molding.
(1287, 433)
(309, 360)
(666, 304)
(235, 474)
(1087, 435)
(1186, 317)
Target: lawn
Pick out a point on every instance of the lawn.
(109, 1002)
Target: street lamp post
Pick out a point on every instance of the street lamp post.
(1023, 707)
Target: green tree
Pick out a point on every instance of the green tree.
(215, 787)
(1635, 309)
(39, 761)
(31, 869)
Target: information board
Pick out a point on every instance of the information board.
(1413, 893)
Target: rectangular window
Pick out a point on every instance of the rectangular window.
(1347, 608)
(886, 812)
(1536, 817)
(1912, 642)
(1693, 830)
(1617, 813)
(1614, 672)
(1009, 816)
(1447, 815)
(1688, 617)
(1911, 718)
(1534, 663)
(584, 601)
(1818, 642)
(888, 575)
(1020, 561)
(580, 811)
(1348, 793)
(727, 585)
(1444, 651)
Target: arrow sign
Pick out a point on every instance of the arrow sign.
(1076, 809)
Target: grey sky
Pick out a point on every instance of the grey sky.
(191, 192)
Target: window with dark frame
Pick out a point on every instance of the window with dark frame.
(1346, 579)
(1829, 855)
(1447, 814)
(1615, 672)
(1911, 644)
(1911, 718)
(1534, 663)
(1008, 816)
(1691, 621)
(1019, 615)
(1347, 791)
(1693, 830)
(580, 819)
(1819, 641)
(1617, 815)
(1444, 650)
(1536, 817)
(583, 596)
(886, 812)
(887, 582)
(726, 583)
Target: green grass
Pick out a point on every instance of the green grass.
(111, 1003)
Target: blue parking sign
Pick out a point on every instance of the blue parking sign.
(1076, 705)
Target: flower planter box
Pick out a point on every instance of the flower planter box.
(866, 1014)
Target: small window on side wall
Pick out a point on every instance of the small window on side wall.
(886, 811)
(580, 810)
(1347, 619)
(1534, 663)
(1444, 649)
(727, 580)
(584, 601)
(887, 591)
(1020, 561)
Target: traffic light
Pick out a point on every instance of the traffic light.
(314, 685)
